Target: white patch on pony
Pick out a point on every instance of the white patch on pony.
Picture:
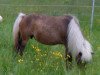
(76, 41)
(16, 25)
(1, 19)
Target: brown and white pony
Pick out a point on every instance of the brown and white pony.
(52, 30)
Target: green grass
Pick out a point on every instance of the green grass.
(42, 59)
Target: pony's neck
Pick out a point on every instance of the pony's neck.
(75, 37)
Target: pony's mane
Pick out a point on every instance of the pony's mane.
(76, 42)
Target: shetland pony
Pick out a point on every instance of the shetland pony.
(52, 30)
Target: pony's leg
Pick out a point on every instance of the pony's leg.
(22, 47)
(17, 43)
(68, 58)
(23, 43)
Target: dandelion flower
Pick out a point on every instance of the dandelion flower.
(68, 56)
(57, 54)
(37, 59)
(38, 50)
(20, 60)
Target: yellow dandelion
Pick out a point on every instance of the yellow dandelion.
(33, 46)
(20, 60)
(38, 50)
(57, 54)
(41, 55)
(68, 56)
(60, 55)
(45, 54)
(37, 59)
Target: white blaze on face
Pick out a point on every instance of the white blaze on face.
(1, 18)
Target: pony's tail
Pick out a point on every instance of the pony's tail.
(1, 18)
(77, 44)
(16, 35)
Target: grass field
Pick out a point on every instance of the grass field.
(39, 59)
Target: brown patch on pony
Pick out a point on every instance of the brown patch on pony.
(49, 30)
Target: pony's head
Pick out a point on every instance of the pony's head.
(85, 55)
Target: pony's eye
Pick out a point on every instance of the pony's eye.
(92, 53)
(80, 54)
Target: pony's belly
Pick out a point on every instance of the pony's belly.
(49, 42)
(48, 39)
